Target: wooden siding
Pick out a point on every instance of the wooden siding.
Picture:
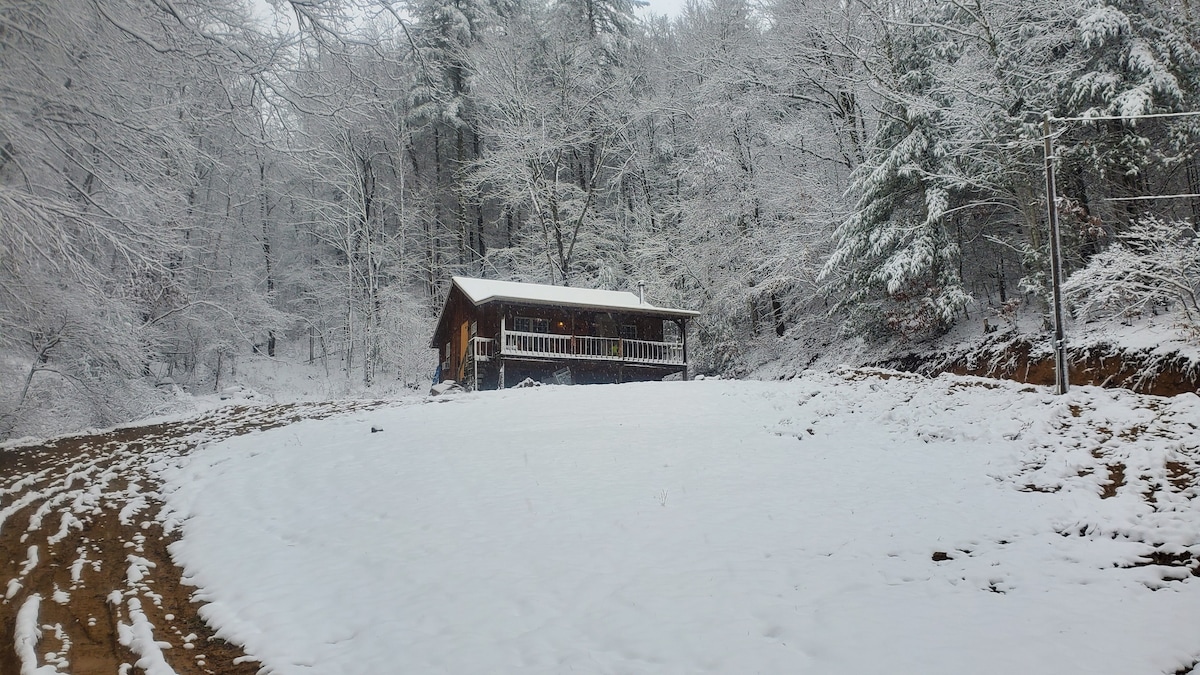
(451, 337)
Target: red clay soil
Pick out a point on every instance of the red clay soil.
(79, 528)
(1142, 372)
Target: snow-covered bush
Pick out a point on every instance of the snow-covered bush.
(1155, 263)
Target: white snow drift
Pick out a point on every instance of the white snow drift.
(840, 523)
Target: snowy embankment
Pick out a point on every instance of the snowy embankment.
(843, 523)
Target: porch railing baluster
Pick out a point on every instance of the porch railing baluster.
(519, 343)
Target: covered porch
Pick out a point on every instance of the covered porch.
(513, 343)
(493, 334)
(586, 352)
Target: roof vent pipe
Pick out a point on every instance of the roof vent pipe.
(641, 292)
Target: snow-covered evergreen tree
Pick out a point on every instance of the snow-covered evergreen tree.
(895, 264)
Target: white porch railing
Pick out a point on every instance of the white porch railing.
(519, 343)
(483, 348)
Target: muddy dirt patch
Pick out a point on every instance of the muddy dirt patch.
(84, 560)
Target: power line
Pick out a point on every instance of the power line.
(1138, 199)
(1188, 113)
(1100, 118)
(1061, 366)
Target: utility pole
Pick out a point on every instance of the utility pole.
(1060, 342)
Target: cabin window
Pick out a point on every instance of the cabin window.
(628, 332)
(526, 324)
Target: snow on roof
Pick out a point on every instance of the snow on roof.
(479, 291)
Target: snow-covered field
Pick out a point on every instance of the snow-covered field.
(840, 523)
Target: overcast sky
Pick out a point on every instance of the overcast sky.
(671, 8)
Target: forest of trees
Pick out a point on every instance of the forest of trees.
(186, 181)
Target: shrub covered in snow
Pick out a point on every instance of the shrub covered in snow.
(1154, 264)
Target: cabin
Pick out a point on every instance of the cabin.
(492, 334)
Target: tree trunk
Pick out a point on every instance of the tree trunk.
(264, 215)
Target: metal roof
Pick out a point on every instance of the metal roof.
(483, 291)
(480, 291)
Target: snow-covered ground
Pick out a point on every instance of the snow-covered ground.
(55, 406)
(820, 344)
(840, 523)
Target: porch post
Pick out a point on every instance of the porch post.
(683, 332)
(500, 355)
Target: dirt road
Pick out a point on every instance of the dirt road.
(87, 580)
